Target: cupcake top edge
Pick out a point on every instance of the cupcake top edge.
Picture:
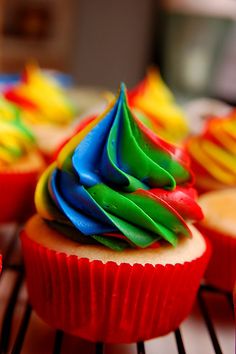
(116, 183)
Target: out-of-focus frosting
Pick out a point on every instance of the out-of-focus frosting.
(15, 141)
(41, 98)
(213, 153)
(154, 104)
(8, 111)
(115, 183)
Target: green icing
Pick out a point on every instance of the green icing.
(140, 217)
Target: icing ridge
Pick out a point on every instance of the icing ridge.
(213, 152)
(15, 140)
(118, 184)
(155, 106)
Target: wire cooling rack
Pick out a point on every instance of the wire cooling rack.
(208, 330)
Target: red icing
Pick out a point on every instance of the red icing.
(13, 96)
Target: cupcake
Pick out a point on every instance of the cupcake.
(110, 256)
(213, 154)
(199, 110)
(20, 166)
(45, 108)
(219, 225)
(155, 106)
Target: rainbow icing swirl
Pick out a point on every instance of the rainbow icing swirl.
(155, 106)
(213, 153)
(115, 183)
(15, 140)
(8, 111)
(41, 99)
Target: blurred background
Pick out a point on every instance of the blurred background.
(100, 43)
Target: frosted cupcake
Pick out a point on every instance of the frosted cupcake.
(45, 107)
(213, 154)
(219, 225)
(20, 166)
(155, 106)
(110, 256)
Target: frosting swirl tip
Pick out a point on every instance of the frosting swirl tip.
(106, 184)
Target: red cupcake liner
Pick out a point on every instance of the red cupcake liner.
(109, 302)
(17, 195)
(221, 270)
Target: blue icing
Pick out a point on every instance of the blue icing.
(78, 197)
(82, 222)
(86, 157)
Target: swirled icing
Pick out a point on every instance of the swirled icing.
(155, 106)
(213, 153)
(41, 98)
(116, 182)
(8, 111)
(15, 140)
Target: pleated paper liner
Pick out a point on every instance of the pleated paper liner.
(221, 270)
(17, 195)
(109, 302)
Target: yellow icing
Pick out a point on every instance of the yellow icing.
(52, 105)
(15, 141)
(157, 101)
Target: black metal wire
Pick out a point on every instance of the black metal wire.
(230, 301)
(209, 324)
(140, 348)
(99, 348)
(58, 342)
(8, 315)
(22, 330)
(19, 268)
(179, 342)
(11, 246)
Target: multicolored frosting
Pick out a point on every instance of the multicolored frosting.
(41, 98)
(213, 153)
(8, 111)
(15, 140)
(154, 104)
(118, 184)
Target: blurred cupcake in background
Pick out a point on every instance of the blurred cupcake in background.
(199, 110)
(219, 225)
(154, 104)
(213, 154)
(213, 160)
(8, 111)
(20, 167)
(45, 107)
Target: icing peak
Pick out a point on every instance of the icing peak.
(116, 183)
(213, 153)
(154, 104)
(41, 98)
